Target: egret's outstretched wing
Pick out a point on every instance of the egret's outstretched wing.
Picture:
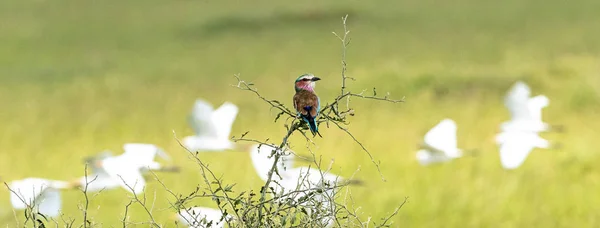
(223, 119)
(260, 160)
(50, 202)
(27, 190)
(263, 161)
(516, 101)
(38, 193)
(514, 150)
(201, 119)
(442, 137)
(535, 106)
(140, 153)
(133, 179)
(128, 175)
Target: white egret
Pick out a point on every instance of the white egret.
(125, 170)
(300, 179)
(262, 160)
(519, 136)
(440, 144)
(211, 127)
(42, 195)
(197, 217)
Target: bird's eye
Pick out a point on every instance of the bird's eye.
(305, 79)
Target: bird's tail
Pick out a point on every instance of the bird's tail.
(312, 125)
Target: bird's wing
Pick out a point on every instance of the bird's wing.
(516, 101)
(303, 99)
(127, 174)
(27, 190)
(49, 202)
(133, 181)
(261, 161)
(140, 153)
(535, 106)
(201, 119)
(442, 137)
(514, 150)
(223, 119)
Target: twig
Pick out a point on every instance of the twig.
(345, 42)
(124, 220)
(140, 202)
(87, 200)
(385, 221)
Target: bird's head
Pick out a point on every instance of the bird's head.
(306, 82)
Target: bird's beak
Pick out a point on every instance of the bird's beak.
(314, 79)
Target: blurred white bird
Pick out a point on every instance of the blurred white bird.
(197, 217)
(440, 144)
(125, 170)
(289, 176)
(298, 179)
(211, 127)
(519, 136)
(42, 195)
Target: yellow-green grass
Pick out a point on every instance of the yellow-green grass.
(77, 77)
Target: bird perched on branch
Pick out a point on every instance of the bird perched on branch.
(306, 102)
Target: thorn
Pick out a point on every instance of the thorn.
(245, 133)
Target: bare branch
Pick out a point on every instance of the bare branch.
(385, 220)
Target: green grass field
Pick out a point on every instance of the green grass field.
(78, 77)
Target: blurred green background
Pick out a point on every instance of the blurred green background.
(78, 77)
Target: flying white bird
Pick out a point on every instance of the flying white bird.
(211, 127)
(197, 217)
(304, 180)
(125, 170)
(519, 136)
(440, 144)
(287, 176)
(42, 195)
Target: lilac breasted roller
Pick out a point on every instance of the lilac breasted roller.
(306, 102)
